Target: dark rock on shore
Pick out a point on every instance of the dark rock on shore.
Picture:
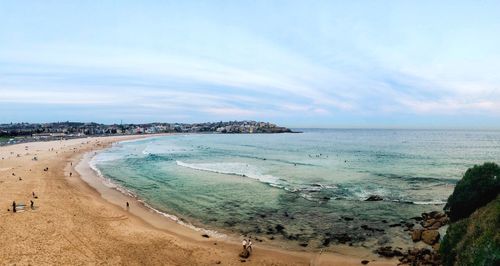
(372, 229)
(374, 198)
(420, 257)
(279, 228)
(346, 218)
(341, 238)
(389, 252)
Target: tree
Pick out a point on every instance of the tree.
(479, 185)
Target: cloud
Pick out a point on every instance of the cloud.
(275, 62)
(230, 111)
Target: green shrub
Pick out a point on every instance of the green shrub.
(474, 240)
(479, 185)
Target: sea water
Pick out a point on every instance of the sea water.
(306, 189)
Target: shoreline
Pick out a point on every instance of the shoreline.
(118, 196)
(109, 226)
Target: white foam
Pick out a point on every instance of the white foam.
(433, 202)
(176, 219)
(239, 169)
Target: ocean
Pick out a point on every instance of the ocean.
(304, 190)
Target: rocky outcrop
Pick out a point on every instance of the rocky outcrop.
(426, 230)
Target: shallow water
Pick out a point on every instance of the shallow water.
(299, 188)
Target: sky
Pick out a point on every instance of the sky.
(407, 64)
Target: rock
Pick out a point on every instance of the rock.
(430, 237)
(436, 247)
(292, 236)
(326, 241)
(303, 244)
(388, 252)
(364, 262)
(342, 238)
(409, 225)
(420, 257)
(397, 253)
(435, 226)
(385, 251)
(416, 235)
(205, 235)
(365, 227)
(428, 223)
(279, 228)
(218, 262)
(444, 220)
(347, 218)
(435, 214)
(374, 198)
(417, 218)
(413, 251)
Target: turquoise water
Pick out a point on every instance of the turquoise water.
(299, 188)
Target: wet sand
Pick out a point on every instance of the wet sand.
(79, 221)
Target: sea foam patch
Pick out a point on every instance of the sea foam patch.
(239, 169)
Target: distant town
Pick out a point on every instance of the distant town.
(26, 132)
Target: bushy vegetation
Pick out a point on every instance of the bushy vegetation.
(474, 240)
(479, 185)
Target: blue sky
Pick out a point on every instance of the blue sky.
(296, 63)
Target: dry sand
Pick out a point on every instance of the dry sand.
(74, 223)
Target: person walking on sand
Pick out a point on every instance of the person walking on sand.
(70, 174)
(14, 206)
(244, 244)
(128, 205)
(249, 245)
(31, 204)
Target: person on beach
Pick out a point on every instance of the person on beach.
(14, 206)
(244, 244)
(31, 204)
(128, 205)
(70, 174)
(249, 245)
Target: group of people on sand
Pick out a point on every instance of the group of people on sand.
(15, 205)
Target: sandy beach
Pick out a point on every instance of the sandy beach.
(77, 220)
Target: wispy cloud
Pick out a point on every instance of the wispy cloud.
(327, 66)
